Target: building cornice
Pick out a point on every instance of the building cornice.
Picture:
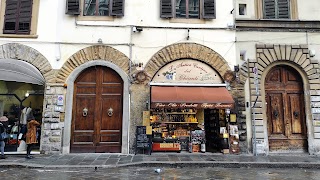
(276, 25)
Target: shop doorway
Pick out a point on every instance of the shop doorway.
(17, 101)
(215, 125)
(285, 110)
(97, 111)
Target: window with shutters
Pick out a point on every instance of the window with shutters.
(188, 9)
(95, 9)
(276, 9)
(19, 18)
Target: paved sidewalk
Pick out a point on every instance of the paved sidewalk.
(161, 160)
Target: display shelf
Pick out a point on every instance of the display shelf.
(181, 113)
(175, 122)
(169, 113)
(180, 122)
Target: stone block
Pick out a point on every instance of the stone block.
(54, 120)
(47, 126)
(49, 108)
(45, 148)
(317, 135)
(48, 114)
(315, 104)
(315, 110)
(60, 90)
(55, 126)
(56, 133)
(45, 140)
(51, 91)
(56, 114)
(54, 139)
(56, 147)
(46, 133)
(315, 98)
(48, 100)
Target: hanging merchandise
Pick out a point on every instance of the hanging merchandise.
(203, 147)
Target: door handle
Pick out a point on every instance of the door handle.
(110, 112)
(295, 114)
(275, 113)
(85, 112)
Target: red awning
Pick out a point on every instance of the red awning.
(193, 97)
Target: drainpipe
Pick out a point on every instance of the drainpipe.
(254, 127)
(130, 52)
(130, 80)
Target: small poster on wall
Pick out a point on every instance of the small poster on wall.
(234, 131)
(60, 100)
(234, 139)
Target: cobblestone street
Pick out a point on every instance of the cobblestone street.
(148, 173)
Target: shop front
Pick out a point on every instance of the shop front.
(191, 110)
(21, 95)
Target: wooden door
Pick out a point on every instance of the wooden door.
(285, 110)
(99, 90)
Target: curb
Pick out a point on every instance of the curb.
(181, 164)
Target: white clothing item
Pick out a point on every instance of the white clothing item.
(24, 114)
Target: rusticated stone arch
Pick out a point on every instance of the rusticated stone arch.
(92, 53)
(30, 55)
(297, 56)
(186, 50)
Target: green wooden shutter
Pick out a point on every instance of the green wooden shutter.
(269, 7)
(73, 7)
(117, 8)
(209, 9)
(283, 9)
(166, 9)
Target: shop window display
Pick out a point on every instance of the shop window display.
(193, 130)
(17, 101)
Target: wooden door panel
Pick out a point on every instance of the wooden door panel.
(285, 109)
(275, 114)
(98, 89)
(296, 115)
(114, 121)
(83, 126)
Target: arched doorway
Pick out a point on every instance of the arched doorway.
(97, 111)
(286, 120)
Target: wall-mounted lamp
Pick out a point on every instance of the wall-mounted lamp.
(236, 68)
(137, 29)
(188, 36)
(27, 94)
(312, 52)
(243, 55)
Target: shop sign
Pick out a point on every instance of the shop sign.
(187, 71)
(192, 105)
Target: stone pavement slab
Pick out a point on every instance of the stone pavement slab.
(106, 160)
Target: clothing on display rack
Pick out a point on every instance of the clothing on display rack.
(25, 112)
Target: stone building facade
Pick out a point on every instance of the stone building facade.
(65, 49)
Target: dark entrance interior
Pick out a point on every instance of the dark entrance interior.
(214, 119)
